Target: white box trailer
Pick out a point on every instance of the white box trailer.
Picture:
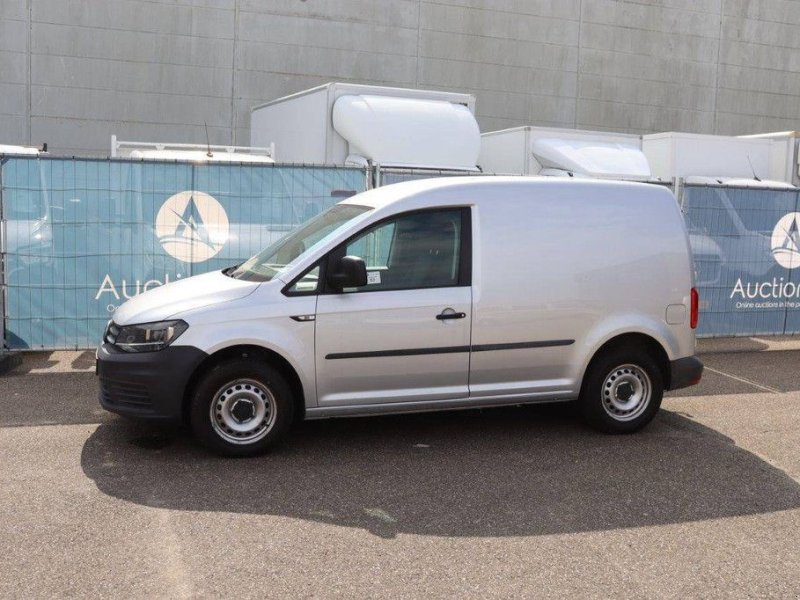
(22, 150)
(342, 123)
(563, 152)
(785, 154)
(198, 153)
(673, 154)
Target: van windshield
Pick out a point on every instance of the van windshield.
(276, 258)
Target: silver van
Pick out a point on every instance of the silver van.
(436, 294)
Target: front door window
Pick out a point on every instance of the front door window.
(414, 251)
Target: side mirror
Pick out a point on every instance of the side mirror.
(349, 272)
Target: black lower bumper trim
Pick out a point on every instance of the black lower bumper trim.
(148, 385)
(685, 372)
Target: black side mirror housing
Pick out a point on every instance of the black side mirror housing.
(349, 272)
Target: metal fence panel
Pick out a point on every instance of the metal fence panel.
(81, 236)
(746, 248)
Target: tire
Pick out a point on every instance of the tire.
(622, 391)
(253, 408)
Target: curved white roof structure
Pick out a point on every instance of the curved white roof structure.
(408, 132)
(592, 158)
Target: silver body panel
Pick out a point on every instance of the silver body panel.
(559, 267)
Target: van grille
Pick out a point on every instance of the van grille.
(125, 393)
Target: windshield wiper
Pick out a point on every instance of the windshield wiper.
(229, 270)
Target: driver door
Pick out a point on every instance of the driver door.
(405, 336)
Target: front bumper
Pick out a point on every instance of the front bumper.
(147, 385)
(684, 372)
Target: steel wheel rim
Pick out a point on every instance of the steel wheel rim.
(626, 392)
(243, 411)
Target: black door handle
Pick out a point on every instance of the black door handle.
(454, 315)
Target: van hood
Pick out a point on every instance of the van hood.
(172, 299)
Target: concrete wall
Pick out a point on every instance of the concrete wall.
(72, 72)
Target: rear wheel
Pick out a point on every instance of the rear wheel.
(241, 408)
(622, 391)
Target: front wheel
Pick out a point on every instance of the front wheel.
(622, 391)
(241, 408)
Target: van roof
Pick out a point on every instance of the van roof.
(398, 192)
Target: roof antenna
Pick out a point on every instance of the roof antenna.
(208, 142)
(752, 169)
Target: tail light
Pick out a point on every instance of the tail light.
(694, 316)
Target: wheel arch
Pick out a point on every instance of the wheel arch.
(633, 339)
(247, 351)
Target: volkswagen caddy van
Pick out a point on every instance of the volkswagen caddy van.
(428, 295)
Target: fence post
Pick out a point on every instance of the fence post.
(678, 187)
(7, 361)
(368, 177)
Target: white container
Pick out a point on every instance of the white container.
(20, 150)
(565, 152)
(785, 154)
(673, 154)
(341, 123)
(197, 153)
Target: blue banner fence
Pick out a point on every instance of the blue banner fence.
(746, 249)
(80, 236)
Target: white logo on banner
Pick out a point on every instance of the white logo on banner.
(786, 241)
(192, 226)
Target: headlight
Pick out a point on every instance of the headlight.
(145, 337)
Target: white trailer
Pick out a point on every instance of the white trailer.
(563, 152)
(785, 154)
(191, 152)
(342, 123)
(681, 155)
(22, 150)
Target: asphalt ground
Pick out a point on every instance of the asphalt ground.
(519, 501)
